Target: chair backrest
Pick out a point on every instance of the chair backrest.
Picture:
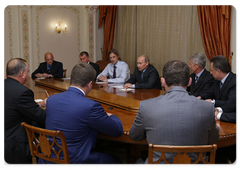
(41, 147)
(64, 73)
(182, 158)
(102, 64)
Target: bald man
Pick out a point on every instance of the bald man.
(145, 75)
(49, 68)
(19, 106)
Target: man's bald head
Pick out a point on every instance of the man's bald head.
(15, 66)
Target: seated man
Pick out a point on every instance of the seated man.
(84, 57)
(49, 68)
(202, 80)
(223, 91)
(175, 118)
(145, 76)
(19, 106)
(80, 118)
(117, 71)
(223, 96)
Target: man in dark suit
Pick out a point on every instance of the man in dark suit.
(202, 80)
(84, 57)
(19, 106)
(223, 95)
(145, 76)
(80, 118)
(49, 68)
(225, 117)
(175, 118)
(223, 91)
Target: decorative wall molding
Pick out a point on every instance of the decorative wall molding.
(91, 8)
(25, 5)
(41, 9)
(25, 34)
(92, 31)
(9, 13)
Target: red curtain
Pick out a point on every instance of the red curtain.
(215, 24)
(107, 17)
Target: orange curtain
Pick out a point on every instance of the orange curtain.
(215, 24)
(107, 14)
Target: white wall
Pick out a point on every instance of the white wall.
(64, 46)
(41, 36)
(233, 39)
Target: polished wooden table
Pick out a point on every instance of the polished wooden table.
(123, 104)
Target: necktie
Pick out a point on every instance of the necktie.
(142, 76)
(114, 71)
(48, 68)
(196, 79)
(221, 85)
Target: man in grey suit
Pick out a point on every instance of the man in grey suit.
(175, 118)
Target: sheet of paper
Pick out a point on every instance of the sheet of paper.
(126, 89)
(101, 82)
(66, 78)
(38, 100)
(120, 87)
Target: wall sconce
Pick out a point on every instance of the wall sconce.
(60, 28)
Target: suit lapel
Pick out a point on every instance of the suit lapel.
(53, 65)
(225, 84)
(193, 83)
(146, 72)
(200, 80)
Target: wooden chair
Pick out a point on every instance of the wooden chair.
(102, 64)
(182, 158)
(64, 73)
(41, 147)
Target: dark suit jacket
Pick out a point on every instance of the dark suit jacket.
(96, 67)
(151, 79)
(80, 119)
(203, 84)
(56, 69)
(228, 117)
(19, 106)
(226, 97)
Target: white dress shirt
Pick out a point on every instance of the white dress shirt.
(122, 72)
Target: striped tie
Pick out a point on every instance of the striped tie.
(196, 79)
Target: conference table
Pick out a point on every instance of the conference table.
(120, 102)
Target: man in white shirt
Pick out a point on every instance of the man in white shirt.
(117, 71)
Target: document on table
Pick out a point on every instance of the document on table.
(100, 82)
(120, 87)
(66, 78)
(38, 100)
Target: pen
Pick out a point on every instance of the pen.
(47, 93)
